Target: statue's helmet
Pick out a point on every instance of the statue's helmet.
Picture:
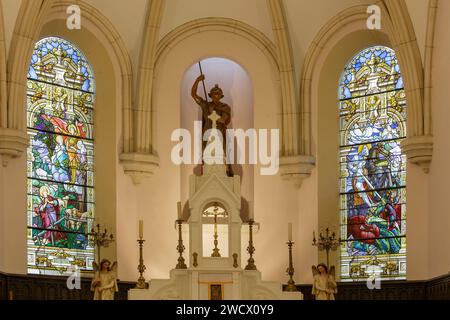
(215, 90)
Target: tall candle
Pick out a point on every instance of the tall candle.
(250, 210)
(290, 231)
(179, 209)
(141, 229)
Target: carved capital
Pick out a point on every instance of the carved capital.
(296, 168)
(419, 150)
(139, 165)
(12, 144)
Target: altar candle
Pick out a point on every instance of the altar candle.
(290, 231)
(141, 229)
(250, 210)
(179, 209)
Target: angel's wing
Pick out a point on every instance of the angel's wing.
(95, 266)
(332, 271)
(314, 271)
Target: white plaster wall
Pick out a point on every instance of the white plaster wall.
(418, 11)
(128, 17)
(252, 12)
(10, 10)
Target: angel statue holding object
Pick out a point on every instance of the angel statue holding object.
(104, 284)
(324, 285)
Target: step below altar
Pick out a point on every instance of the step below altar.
(209, 284)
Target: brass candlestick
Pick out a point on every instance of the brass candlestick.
(215, 250)
(141, 284)
(326, 242)
(100, 239)
(290, 271)
(250, 249)
(180, 247)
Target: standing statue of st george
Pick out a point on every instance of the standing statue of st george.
(222, 109)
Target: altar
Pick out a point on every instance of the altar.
(213, 273)
(215, 270)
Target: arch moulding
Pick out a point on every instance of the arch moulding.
(418, 145)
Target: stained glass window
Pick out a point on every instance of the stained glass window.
(60, 158)
(372, 108)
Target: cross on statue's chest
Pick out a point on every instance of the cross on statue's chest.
(214, 117)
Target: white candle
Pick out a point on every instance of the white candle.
(179, 209)
(141, 229)
(290, 231)
(250, 210)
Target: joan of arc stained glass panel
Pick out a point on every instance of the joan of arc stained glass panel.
(60, 167)
(372, 167)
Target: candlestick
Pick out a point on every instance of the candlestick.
(250, 249)
(100, 239)
(180, 247)
(290, 270)
(326, 243)
(290, 231)
(179, 210)
(141, 283)
(141, 229)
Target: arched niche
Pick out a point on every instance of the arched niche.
(170, 68)
(237, 88)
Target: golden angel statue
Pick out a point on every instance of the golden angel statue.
(104, 284)
(324, 285)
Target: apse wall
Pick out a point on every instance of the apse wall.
(438, 212)
(275, 200)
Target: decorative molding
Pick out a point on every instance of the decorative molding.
(242, 29)
(296, 168)
(428, 63)
(398, 27)
(139, 159)
(142, 116)
(33, 14)
(13, 70)
(139, 165)
(28, 25)
(12, 144)
(419, 150)
(290, 105)
(3, 77)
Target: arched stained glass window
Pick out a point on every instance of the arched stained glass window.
(372, 168)
(60, 200)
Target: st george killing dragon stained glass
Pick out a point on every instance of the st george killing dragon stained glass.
(372, 168)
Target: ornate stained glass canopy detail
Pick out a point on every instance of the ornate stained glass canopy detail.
(60, 158)
(372, 167)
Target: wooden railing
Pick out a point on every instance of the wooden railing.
(21, 287)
